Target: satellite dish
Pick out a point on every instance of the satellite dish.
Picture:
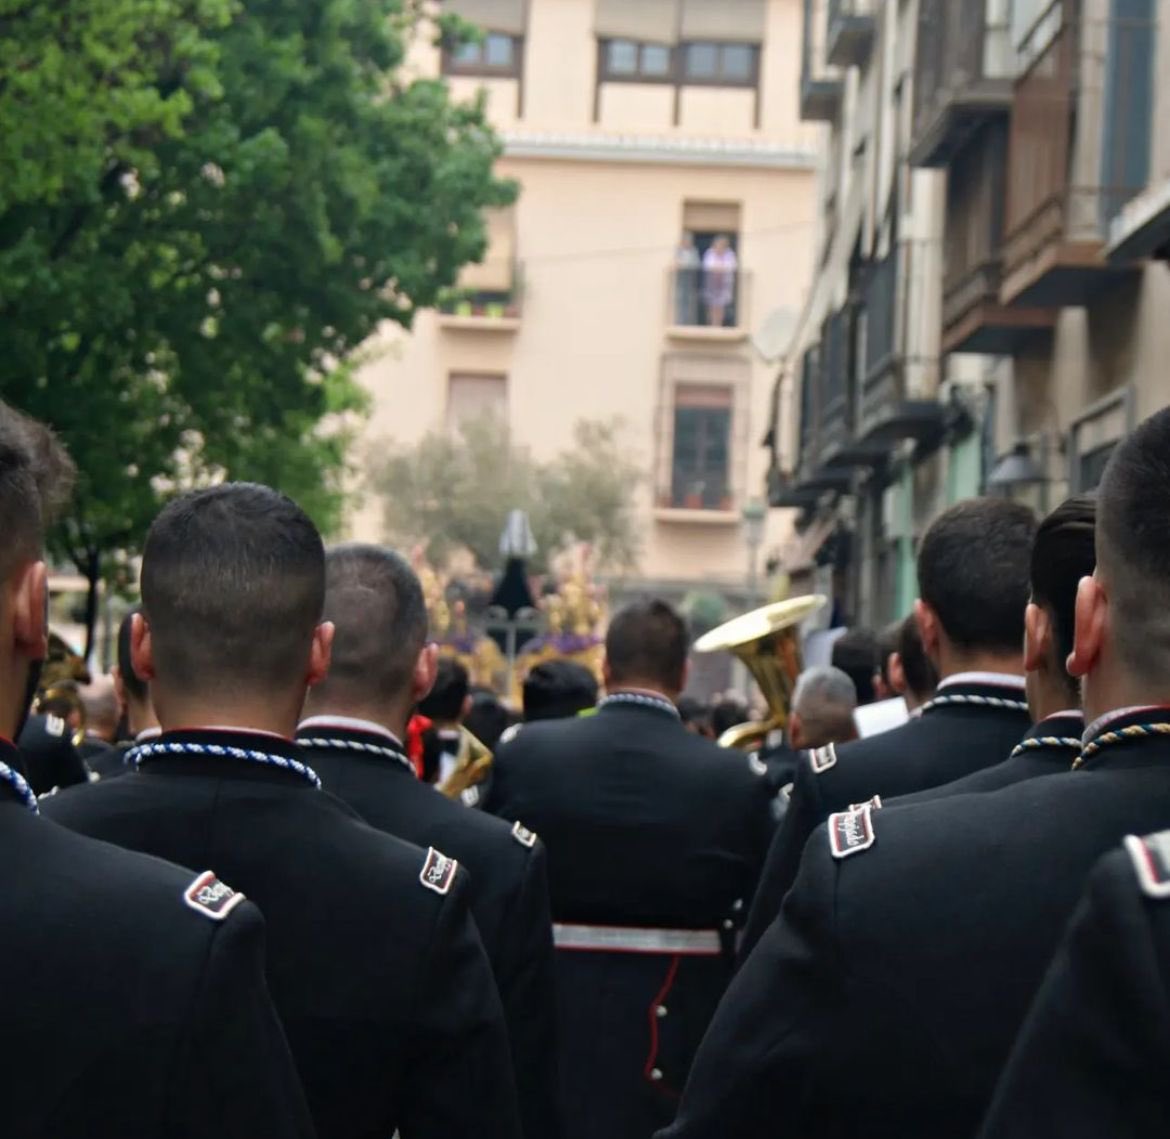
(774, 336)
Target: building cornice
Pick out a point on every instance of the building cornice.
(596, 146)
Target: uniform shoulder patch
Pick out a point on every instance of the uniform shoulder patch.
(438, 871)
(509, 734)
(54, 726)
(469, 796)
(822, 758)
(875, 803)
(756, 765)
(1151, 860)
(523, 835)
(851, 832)
(208, 896)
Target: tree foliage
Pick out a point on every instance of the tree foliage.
(455, 490)
(205, 209)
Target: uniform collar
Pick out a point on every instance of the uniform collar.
(13, 787)
(328, 725)
(1070, 723)
(639, 698)
(1125, 717)
(215, 758)
(978, 680)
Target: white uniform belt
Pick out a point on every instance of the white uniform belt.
(635, 939)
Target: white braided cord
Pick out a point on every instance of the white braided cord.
(974, 702)
(20, 785)
(186, 747)
(637, 699)
(327, 744)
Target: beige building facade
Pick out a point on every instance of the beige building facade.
(627, 126)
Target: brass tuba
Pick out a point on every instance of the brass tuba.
(64, 670)
(767, 640)
(472, 765)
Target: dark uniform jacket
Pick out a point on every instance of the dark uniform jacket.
(947, 741)
(646, 825)
(374, 962)
(104, 760)
(1094, 1055)
(509, 890)
(48, 758)
(130, 1011)
(891, 988)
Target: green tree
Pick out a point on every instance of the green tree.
(215, 206)
(455, 490)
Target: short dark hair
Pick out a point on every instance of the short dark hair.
(558, 689)
(648, 640)
(1133, 545)
(445, 703)
(692, 710)
(973, 572)
(1063, 554)
(36, 476)
(487, 719)
(855, 653)
(233, 586)
(376, 604)
(887, 645)
(131, 681)
(728, 713)
(921, 675)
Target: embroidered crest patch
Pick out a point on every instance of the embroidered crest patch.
(822, 758)
(1151, 860)
(208, 896)
(523, 835)
(438, 871)
(54, 726)
(850, 832)
(469, 796)
(509, 734)
(875, 803)
(756, 765)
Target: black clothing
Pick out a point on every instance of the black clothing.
(373, 960)
(646, 825)
(509, 892)
(128, 1013)
(1092, 1057)
(946, 742)
(48, 757)
(906, 956)
(105, 760)
(781, 760)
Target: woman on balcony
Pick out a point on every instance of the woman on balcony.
(719, 268)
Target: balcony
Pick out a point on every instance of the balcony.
(850, 32)
(820, 82)
(708, 304)
(1079, 152)
(815, 474)
(896, 399)
(487, 299)
(973, 319)
(962, 77)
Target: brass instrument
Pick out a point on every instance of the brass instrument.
(767, 640)
(64, 670)
(472, 765)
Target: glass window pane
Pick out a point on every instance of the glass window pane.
(737, 62)
(498, 51)
(622, 57)
(702, 61)
(467, 53)
(655, 60)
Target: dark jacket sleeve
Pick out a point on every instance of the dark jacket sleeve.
(783, 861)
(458, 1080)
(234, 1076)
(757, 1066)
(528, 992)
(1092, 1057)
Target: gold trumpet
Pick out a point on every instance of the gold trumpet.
(472, 765)
(767, 640)
(58, 695)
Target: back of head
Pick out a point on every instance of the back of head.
(101, 706)
(973, 572)
(487, 719)
(646, 644)
(1063, 554)
(921, 675)
(557, 689)
(134, 686)
(445, 703)
(727, 713)
(375, 602)
(695, 715)
(856, 654)
(887, 645)
(233, 584)
(825, 700)
(1133, 550)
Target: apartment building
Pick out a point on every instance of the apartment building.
(664, 231)
(995, 221)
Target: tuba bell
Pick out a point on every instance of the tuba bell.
(58, 695)
(472, 765)
(767, 640)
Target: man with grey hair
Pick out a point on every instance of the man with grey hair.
(822, 709)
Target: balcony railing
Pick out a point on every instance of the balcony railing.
(1079, 152)
(708, 303)
(850, 32)
(962, 76)
(836, 402)
(489, 295)
(820, 82)
(810, 378)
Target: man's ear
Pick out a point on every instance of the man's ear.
(30, 625)
(141, 648)
(320, 653)
(1037, 637)
(929, 628)
(1089, 637)
(119, 690)
(897, 673)
(426, 669)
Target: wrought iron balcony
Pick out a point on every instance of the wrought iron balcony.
(820, 82)
(962, 77)
(708, 303)
(850, 32)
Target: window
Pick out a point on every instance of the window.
(720, 64)
(706, 274)
(473, 397)
(1094, 435)
(630, 61)
(497, 54)
(701, 460)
